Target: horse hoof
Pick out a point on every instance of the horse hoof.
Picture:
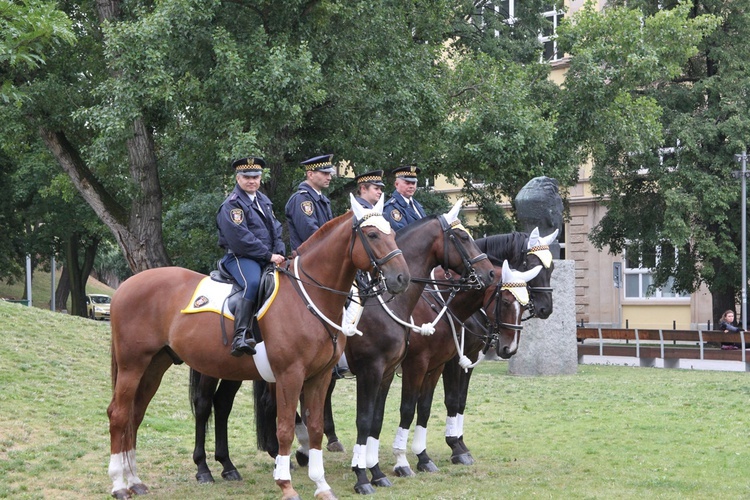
(231, 475)
(404, 471)
(462, 459)
(427, 467)
(123, 494)
(138, 489)
(204, 477)
(302, 459)
(381, 482)
(364, 489)
(335, 447)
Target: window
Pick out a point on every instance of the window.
(639, 279)
(547, 36)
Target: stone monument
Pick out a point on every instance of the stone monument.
(547, 347)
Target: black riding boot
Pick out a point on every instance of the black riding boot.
(243, 342)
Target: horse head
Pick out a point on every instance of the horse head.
(374, 249)
(463, 255)
(504, 307)
(538, 253)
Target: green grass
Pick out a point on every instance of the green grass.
(41, 289)
(606, 432)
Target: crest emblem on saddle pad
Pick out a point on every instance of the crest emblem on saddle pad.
(307, 207)
(200, 301)
(237, 215)
(396, 215)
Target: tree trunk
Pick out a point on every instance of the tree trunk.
(63, 290)
(139, 232)
(78, 271)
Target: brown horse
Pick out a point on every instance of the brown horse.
(149, 334)
(426, 357)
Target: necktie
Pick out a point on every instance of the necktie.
(414, 209)
(256, 202)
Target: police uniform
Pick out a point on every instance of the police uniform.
(250, 234)
(373, 177)
(396, 210)
(307, 210)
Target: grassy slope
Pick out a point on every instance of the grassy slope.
(607, 432)
(41, 289)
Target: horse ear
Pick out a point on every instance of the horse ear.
(507, 274)
(533, 239)
(547, 240)
(358, 209)
(379, 205)
(528, 275)
(452, 215)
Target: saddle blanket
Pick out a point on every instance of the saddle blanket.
(210, 295)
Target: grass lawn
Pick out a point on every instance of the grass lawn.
(606, 432)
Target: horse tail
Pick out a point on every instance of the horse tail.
(265, 417)
(112, 363)
(195, 379)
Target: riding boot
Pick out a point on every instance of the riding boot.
(243, 341)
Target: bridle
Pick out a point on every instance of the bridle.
(496, 325)
(373, 286)
(469, 279)
(533, 289)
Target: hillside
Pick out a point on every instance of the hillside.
(41, 289)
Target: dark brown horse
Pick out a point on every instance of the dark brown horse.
(149, 334)
(522, 251)
(426, 357)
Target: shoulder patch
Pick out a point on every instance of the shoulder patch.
(237, 215)
(307, 208)
(396, 215)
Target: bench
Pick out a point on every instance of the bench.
(670, 346)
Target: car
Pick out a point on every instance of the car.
(97, 306)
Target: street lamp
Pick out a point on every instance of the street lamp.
(742, 158)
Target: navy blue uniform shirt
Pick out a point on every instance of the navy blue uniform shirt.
(397, 212)
(306, 211)
(244, 231)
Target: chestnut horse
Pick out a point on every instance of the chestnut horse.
(150, 333)
(523, 251)
(426, 357)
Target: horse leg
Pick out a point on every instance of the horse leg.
(456, 385)
(329, 426)
(202, 388)
(315, 390)
(368, 383)
(288, 389)
(409, 394)
(424, 406)
(134, 388)
(373, 441)
(223, 402)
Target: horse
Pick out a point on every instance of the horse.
(426, 357)
(374, 357)
(147, 339)
(523, 251)
(432, 240)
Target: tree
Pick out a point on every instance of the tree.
(661, 127)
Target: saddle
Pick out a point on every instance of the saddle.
(265, 291)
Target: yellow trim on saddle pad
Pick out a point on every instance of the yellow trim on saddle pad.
(267, 304)
(209, 296)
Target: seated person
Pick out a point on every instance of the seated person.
(727, 324)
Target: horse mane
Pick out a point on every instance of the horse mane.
(509, 246)
(322, 232)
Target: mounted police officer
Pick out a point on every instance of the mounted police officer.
(251, 236)
(369, 188)
(402, 209)
(308, 208)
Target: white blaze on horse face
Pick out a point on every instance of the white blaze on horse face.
(370, 216)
